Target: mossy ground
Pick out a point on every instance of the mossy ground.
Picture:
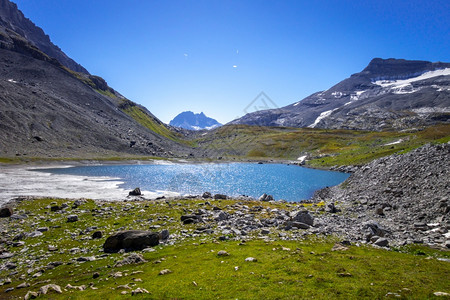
(325, 147)
(285, 269)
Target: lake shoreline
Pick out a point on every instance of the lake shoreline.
(172, 179)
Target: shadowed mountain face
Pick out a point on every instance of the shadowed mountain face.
(387, 94)
(49, 110)
(13, 19)
(191, 121)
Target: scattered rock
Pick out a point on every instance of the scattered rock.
(96, 275)
(222, 253)
(23, 285)
(50, 287)
(130, 240)
(344, 274)
(133, 258)
(164, 272)
(265, 197)
(34, 234)
(164, 235)
(97, 235)
(72, 287)
(220, 197)
(221, 216)
(72, 218)
(190, 219)
(10, 266)
(382, 242)
(135, 192)
(78, 203)
(300, 225)
(441, 294)
(124, 286)
(55, 208)
(304, 217)
(206, 195)
(139, 291)
(331, 208)
(379, 211)
(265, 231)
(31, 295)
(6, 255)
(251, 259)
(52, 248)
(339, 247)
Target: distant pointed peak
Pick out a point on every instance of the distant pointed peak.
(194, 121)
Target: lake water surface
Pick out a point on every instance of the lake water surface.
(288, 182)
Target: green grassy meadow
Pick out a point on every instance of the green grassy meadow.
(285, 269)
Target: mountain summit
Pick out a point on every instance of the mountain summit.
(12, 19)
(388, 94)
(50, 106)
(192, 121)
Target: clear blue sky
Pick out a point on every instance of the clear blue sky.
(217, 56)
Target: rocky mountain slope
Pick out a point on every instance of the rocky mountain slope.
(191, 121)
(402, 198)
(387, 94)
(47, 109)
(11, 18)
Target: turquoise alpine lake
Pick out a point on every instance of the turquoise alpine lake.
(282, 181)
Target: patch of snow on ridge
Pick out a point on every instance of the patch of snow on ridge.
(441, 88)
(356, 96)
(399, 83)
(297, 103)
(338, 94)
(301, 158)
(321, 116)
(212, 127)
(394, 143)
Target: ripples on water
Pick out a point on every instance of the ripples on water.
(289, 182)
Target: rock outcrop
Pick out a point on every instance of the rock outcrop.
(405, 198)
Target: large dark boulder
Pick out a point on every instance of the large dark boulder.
(6, 212)
(130, 240)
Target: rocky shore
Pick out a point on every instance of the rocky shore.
(402, 199)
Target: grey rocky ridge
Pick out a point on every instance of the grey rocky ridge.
(13, 20)
(50, 106)
(388, 94)
(402, 198)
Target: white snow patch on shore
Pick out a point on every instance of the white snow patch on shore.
(22, 181)
(302, 158)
